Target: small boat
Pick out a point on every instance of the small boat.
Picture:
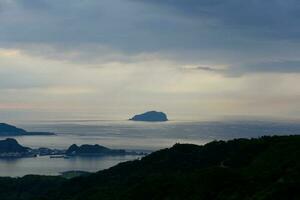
(57, 156)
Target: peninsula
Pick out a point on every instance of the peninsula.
(10, 130)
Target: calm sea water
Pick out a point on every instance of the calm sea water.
(126, 135)
(54, 166)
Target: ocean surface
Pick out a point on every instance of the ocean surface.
(138, 136)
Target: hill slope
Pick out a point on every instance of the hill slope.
(10, 145)
(6, 129)
(10, 130)
(264, 168)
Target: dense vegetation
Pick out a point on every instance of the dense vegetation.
(267, 168)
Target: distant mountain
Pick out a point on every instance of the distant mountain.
(10, 145)
(151, 116)
(92, 150)
(10, 130)
(10, 148)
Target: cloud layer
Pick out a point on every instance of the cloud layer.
(190, 58)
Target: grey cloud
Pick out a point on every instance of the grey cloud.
(13, 80)
(116, 23)
(231, 32)
(281, 66)
(205, 68)
(284, 66)
(254, 16)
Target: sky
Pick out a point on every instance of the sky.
(110, 59)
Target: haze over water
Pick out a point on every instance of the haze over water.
(140, 136)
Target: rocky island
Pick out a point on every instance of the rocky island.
(9, 130)
(151, 116)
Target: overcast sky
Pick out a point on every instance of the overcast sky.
(110, 59)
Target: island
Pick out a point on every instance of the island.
(150, 116)
(98, 150)
(10, 130)
(92, 150)
(10, 148)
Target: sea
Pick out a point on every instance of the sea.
(134, 136)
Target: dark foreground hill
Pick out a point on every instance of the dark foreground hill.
(267, 168)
